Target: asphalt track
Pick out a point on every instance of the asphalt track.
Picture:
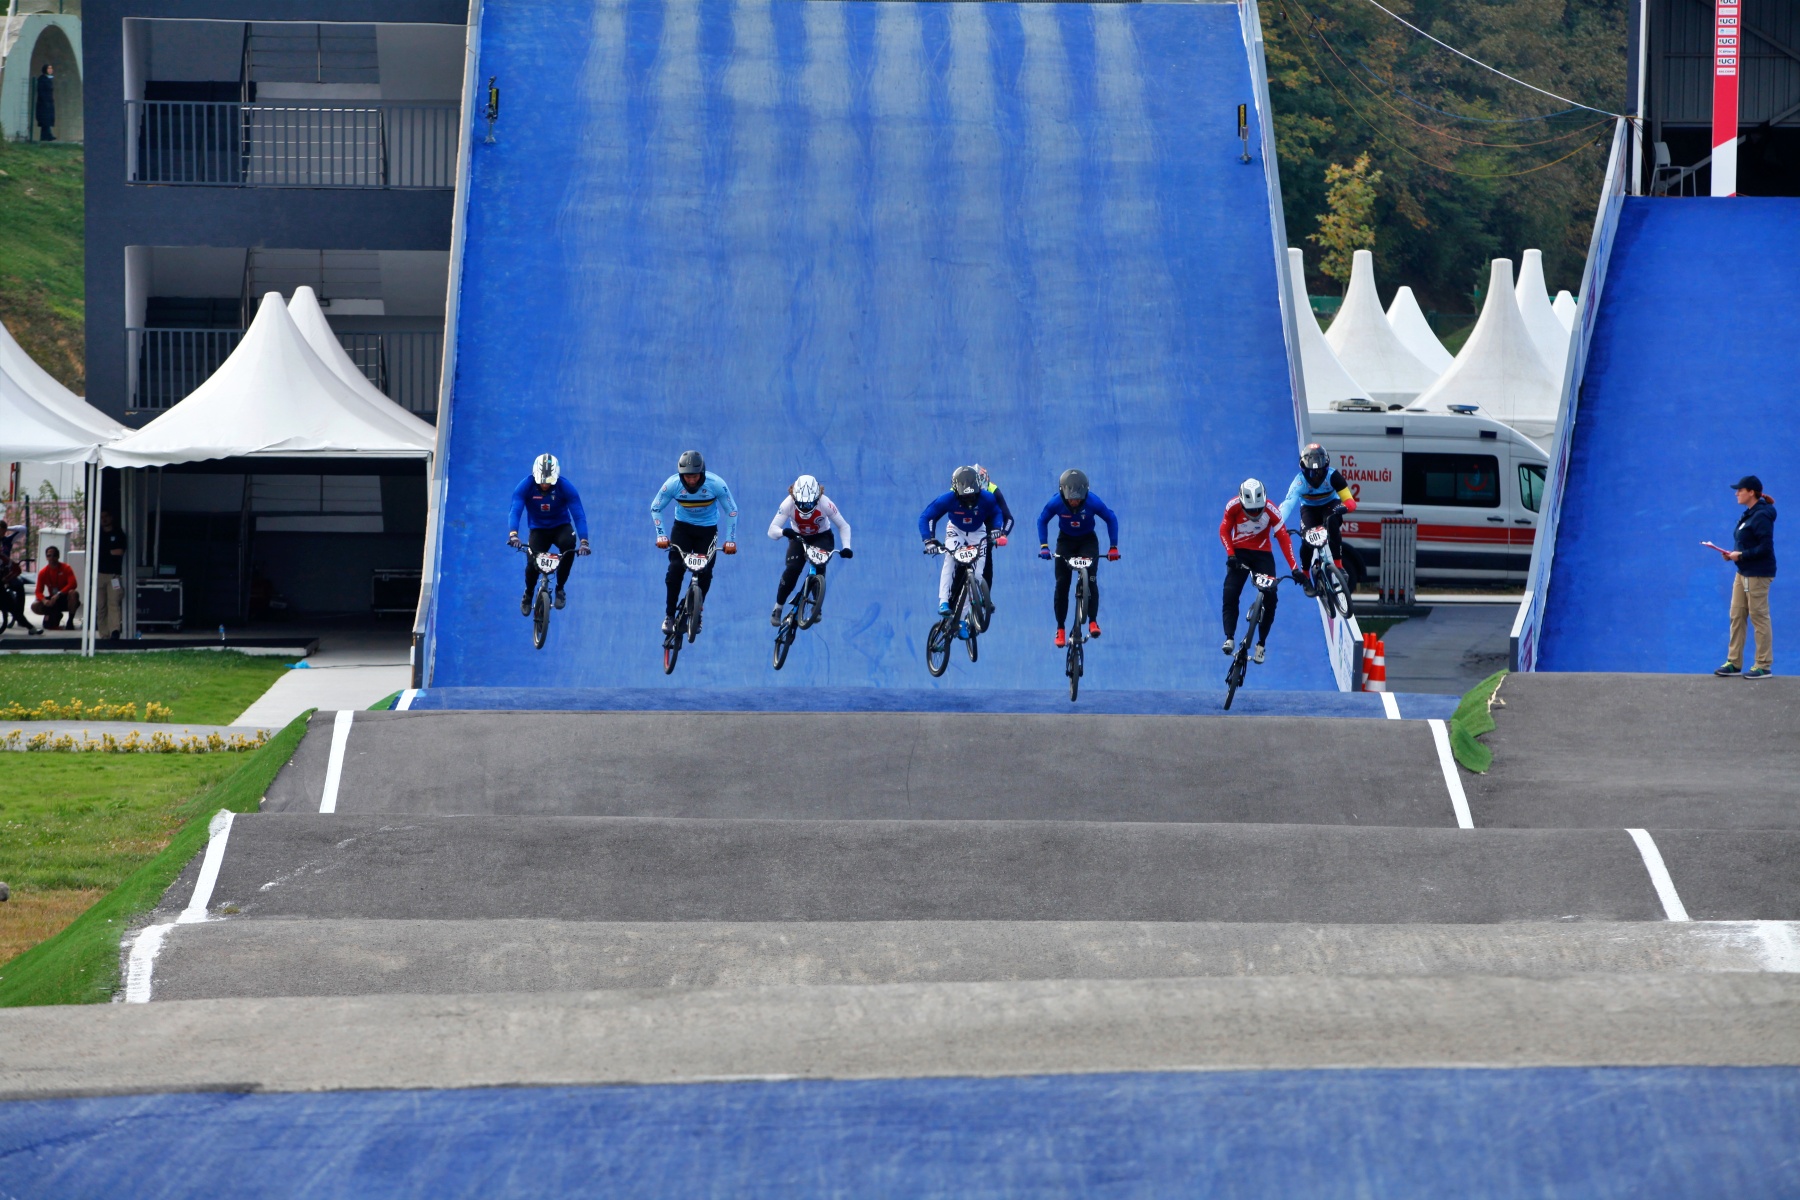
(870, 242)
(868, 766)
(316, 956)
(1661, 436)
(1665, 751)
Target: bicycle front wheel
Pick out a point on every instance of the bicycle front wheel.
(1337, 586)
(1074, 668)
(812, 595)
(694, 600)
(980, 611)
(937, 649)
(540, 618)
(1234, 675)
(784, 638)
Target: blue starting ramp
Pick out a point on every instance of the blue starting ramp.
(869, 242)
(1693, 381)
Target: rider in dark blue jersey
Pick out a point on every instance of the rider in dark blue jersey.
(1076, 511)
(969, 513)
(551, 508)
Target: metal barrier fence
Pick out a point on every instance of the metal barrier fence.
(283, 145)
(1399, 560)
(165, 365)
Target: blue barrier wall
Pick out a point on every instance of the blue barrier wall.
(870, 242)
(1672, 1133)
(1693, 380)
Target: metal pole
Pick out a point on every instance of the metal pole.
(91, 564)
(156, 552)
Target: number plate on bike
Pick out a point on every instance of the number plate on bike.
(1265, 582)
(966, 554)
(1316, 536)
(817, 555)
(695, 562)
(1081, 564)
(547, 562)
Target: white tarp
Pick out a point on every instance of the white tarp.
(1410, 326)
(310, 319)
(1367, 346)
(1564, 308)
(1548, 333)
(1500, 371)
(274, 397)
(1326, 379)
(41, 421)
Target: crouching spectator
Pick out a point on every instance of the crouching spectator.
(57, 596)
(12, 587)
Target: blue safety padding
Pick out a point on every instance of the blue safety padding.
(899, 699)
(1693, 381)
(1668, 1132)
(868, 241)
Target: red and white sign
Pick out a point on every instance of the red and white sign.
(1727, 38)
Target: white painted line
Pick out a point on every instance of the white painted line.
(406, 699)
(218, 831)
(1389, 705)
(1440, 733)
(1659, 875)
(143, 961)
(334, 766)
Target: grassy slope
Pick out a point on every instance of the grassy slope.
(80, 965)
(73, 826)
(204, 687)
(41, 255)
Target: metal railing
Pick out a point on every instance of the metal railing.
(165, 365)
(292, 145)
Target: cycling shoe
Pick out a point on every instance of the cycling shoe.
(560, 599)
(775, 616)
(1229, 646)
(525, 605)
(1257, 656)
(668, 624)
(943, 608)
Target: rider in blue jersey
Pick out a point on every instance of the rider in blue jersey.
(1322, 496)
(1075, 510)
(1000, 535)
(700, 498)
(969, 513)
(551, 507)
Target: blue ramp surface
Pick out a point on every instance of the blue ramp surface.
(1397, 1134)
(1693, 381)
(868, 241)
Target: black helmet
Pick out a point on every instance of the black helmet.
(1073, 486)
(691, 462)
(965, 482)
(1315, 464)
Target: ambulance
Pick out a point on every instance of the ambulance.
(1474, 485)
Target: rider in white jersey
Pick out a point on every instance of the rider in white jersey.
(805, 518)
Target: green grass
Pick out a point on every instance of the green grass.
(80, 965)
(42, 292)
(203, 687)
(385, 703)
(1472, 719)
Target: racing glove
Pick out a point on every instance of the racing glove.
(584, 549)
(1112, 554)
(1044, 550)
(729, 547)
(1300, 577)
(933, 546)
(1000, 540)
(512, 539)
(846, 552)
(790, 532)
(662, 543)
(1350, 505)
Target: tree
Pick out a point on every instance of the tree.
(1345, 227)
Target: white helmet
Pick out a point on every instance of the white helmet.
(1252, 496)
(806, 492)
(546, 470)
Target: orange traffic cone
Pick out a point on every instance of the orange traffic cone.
(1378, 667)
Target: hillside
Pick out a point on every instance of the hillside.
(41, 255)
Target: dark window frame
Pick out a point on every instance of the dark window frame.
(1418, 469)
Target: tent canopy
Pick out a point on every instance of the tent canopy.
(1500, 370)
(41, 421)
(1548, 333)
(1367, 345)
(310, 319)
(274, 397)
(1564, 308)
(1326, 379)
(1409, 324)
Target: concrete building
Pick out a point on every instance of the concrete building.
(250, 146)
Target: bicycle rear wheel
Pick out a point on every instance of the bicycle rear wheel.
(540, 618)
(980, 611)
(1234, 674)
(974, 644)
(1074, 668)
(695, 599)
(784, 638)
(937, 649)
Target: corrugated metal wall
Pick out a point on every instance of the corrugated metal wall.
(1681, 54)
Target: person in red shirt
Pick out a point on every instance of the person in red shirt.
(57, 596)
(1245, 531)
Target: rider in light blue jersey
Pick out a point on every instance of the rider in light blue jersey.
(700, 498)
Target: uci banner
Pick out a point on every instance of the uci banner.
(1727, 39)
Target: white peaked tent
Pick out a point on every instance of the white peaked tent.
(1409, 324)
(1499, 370)
(1368, 347)
(1548, 333)
(274, 398)
(1326, 379)
(41, 421)
(310, 319)
(1564, 308)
